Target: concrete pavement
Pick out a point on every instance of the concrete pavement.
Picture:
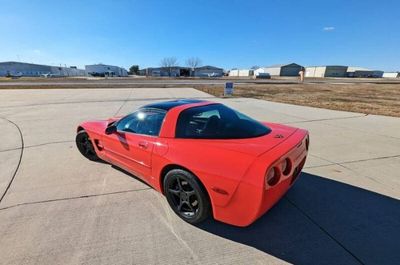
(59, 208)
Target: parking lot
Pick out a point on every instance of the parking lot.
(59, 208)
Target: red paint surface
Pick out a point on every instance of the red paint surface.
(232, 171)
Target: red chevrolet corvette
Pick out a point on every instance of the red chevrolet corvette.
(206, 158)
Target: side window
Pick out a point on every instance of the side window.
(198, 123)
(147, 122)
(216, 121)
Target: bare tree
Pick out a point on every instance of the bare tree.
(169, 63)
(193, 63)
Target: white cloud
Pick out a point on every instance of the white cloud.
(36, 51)
(328, 29)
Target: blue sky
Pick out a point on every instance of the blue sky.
(235, 33)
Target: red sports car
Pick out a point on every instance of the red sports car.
(207, 159)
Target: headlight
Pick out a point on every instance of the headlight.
(272, 177)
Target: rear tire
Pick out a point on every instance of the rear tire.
(186, 196)
(85, 146)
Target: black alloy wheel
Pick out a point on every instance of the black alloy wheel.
(85, 146)
(186, 196)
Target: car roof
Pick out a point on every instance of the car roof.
(167, 105)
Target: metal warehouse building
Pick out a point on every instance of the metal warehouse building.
(360, 72)
(292, 69)
(34, 70)
(326, 71)
(174, 71)
(208, 71)
(105, 70)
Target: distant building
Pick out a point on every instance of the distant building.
(292, 69)
(326, 71)
(36, 70)
(391, 75)
(105, 70)
(261, 70)
(360, 72)
(174, 71)
(208, 71)
(241, 72)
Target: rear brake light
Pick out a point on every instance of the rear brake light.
(272, 177)
(286, 167)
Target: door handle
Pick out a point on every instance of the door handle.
(143, 145)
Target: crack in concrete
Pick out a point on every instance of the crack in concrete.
(36, 145)
(73, 198)
(125, 101)
(19, 161)
(324, 230)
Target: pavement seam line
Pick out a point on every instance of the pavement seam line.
(324, 230)
(330, 119)
(72, 198)
(36, 145)
(19, 161)
(349, 162)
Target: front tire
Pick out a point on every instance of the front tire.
(85, 146)
(186, 196)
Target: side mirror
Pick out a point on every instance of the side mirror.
(111, 129)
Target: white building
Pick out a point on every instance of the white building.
(35, 70)
(391, 75)
(105, 70)
(241, 72)
(326, 71)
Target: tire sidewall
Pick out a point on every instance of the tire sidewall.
(204, 209)
(78, 137)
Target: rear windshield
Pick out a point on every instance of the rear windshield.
(217, 121)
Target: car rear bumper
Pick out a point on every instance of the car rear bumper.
(253, 197)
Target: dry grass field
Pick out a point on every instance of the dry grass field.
(369, 98)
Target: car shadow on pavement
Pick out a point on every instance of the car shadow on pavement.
(322, 221)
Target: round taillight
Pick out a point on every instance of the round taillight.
(286, 167)
(272, 176)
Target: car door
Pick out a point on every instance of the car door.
(131, 146)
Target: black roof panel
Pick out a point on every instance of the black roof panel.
(167, 105)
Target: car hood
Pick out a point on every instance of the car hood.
(99, 126)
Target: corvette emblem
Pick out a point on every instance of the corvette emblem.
(279, 136)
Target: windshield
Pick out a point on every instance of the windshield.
(217, 121)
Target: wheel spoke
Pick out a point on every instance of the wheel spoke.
(180, 205)
(179, 184)
(190, 193)
(175, 192)
(190, 206)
